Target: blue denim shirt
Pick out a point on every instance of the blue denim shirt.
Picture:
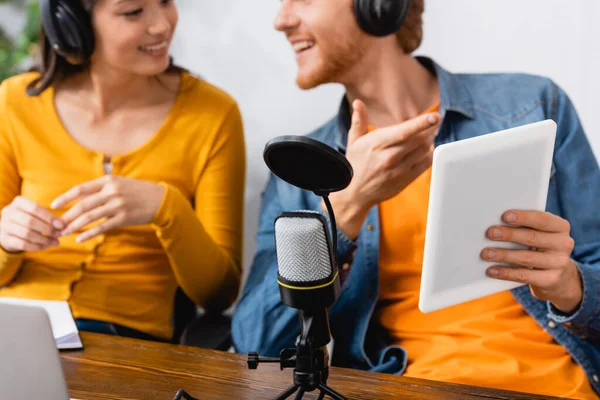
(471, 105)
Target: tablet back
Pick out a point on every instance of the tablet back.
(474, 181)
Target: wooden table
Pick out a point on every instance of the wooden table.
(118, 368)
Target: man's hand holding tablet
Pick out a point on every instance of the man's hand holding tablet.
(546, 266)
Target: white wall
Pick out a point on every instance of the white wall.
(554, 38)
(232, 44)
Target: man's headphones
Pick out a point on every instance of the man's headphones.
(68, 28)
(381, 17)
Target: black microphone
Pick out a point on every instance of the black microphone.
(307, 275)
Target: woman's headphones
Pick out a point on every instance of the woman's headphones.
(381, 17)
(68, 28)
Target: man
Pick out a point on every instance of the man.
(543, 337)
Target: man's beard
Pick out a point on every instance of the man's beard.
(335, 61)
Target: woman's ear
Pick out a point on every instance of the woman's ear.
(73, 60)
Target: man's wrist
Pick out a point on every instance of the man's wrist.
(566, 307)
(349, 215)
(572, 297)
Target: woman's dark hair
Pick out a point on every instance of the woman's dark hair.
(53, 67)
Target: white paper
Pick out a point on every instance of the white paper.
(64, 329)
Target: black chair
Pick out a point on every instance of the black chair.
(207, 331)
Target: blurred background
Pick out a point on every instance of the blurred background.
(232, 44)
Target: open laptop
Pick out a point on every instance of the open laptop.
(30, 366)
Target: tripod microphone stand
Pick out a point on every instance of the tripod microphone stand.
(309, 359)
(307, 274)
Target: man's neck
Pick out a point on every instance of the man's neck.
(394, 86)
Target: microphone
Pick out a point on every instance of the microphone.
(307, 275)
(307, 278)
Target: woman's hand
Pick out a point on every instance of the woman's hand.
(120, 201)
(27, 226)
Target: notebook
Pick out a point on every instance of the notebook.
(66, 334)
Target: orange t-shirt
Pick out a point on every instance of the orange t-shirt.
(488, 342)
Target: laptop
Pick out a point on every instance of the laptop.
(30, 366)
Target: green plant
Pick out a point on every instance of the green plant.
(16, 53)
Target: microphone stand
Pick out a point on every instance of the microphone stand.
(310, 358)
(182, 394)
(325, 197)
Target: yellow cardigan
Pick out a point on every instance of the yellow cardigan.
(129, 275)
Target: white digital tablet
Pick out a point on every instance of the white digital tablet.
(474, 182)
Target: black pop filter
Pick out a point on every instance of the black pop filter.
(308, 164)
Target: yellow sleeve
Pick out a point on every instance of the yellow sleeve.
(204, 245)
(10, 187)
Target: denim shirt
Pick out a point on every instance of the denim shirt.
(471, 105)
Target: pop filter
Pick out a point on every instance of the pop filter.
(308, 164)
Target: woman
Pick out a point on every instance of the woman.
(121, 176)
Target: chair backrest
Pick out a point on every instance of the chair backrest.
(207, 331)
(185, 311)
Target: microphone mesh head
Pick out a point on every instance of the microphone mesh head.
(302, 248)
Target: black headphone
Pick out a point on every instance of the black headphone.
(68, 28)
(381, 17)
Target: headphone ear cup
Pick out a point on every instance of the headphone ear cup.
(381, 17)
(68, 28)
(50, 24)
(80, 29)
